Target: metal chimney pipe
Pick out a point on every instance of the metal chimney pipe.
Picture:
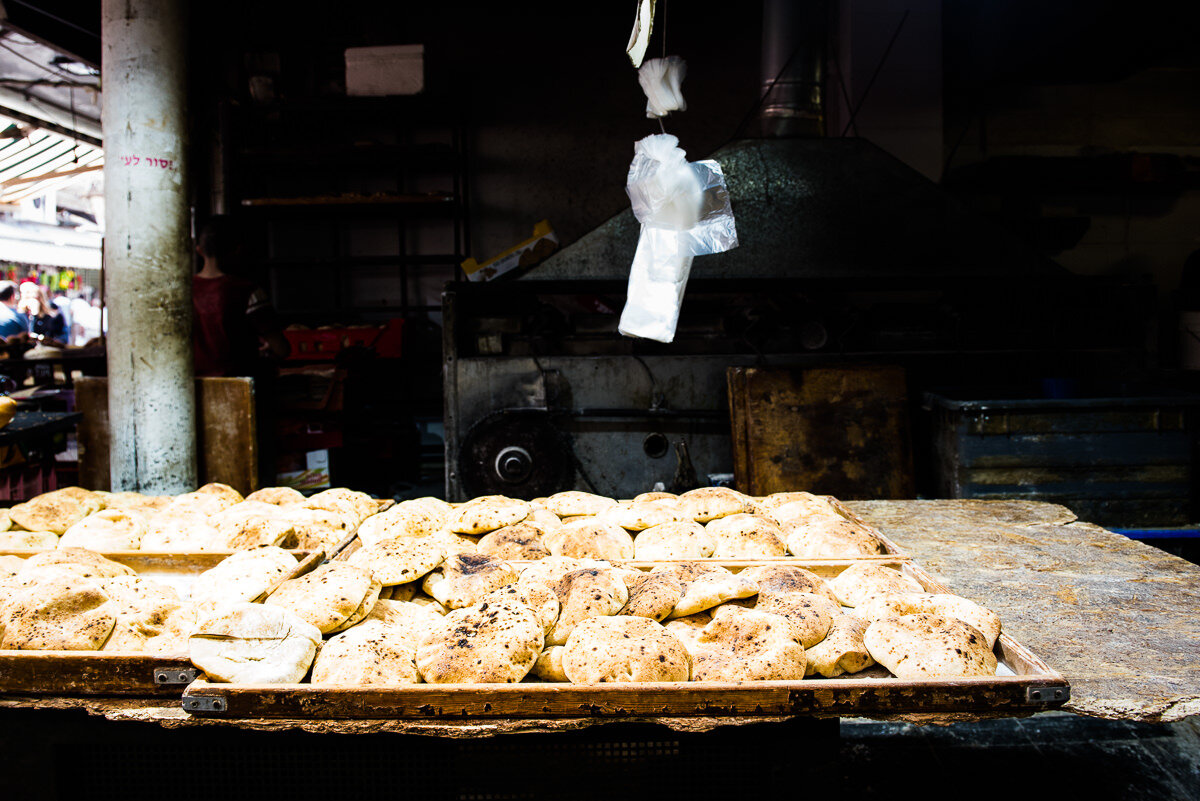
(794, 45)
(148, 260)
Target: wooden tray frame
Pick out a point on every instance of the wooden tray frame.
(1034, 687)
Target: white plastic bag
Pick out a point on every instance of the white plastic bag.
(684, 211)
(662, 81)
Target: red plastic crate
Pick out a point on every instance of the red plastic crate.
(325, 343)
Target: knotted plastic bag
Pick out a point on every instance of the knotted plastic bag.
(662, 81)
(684, 211)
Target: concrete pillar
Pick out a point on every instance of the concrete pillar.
(148, 262)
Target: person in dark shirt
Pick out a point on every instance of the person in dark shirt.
(234, 323)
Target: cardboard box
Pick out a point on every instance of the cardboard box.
(525, 254)
(315, 475)
(382, 71)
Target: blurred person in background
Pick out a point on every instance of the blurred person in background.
(13, 324)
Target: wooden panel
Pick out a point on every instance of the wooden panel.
(87, 673)
(840, 431)
(226, 442)
(736, 380)
(226, 446)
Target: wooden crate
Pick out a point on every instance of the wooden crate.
(1028, 685)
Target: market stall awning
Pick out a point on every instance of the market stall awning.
(34, 161)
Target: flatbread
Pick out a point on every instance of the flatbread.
(688, 629)
(364, 608)
(313, 529)
(490, 642)
(278, 496)
(252, 524)
(651, 595)
(56, 510)
(399, 560)
(106, 530)
(181, 532)
(254, 644)
(786, 507)
(674, 541)
(582, 594)
(926, 646)
(810, 616)
(58, 612)
(827, 538)
(859, 583)
(487, 513)
(782, 579)
(709, 503)
(842, 651)
(353, 507)
(326, 597)
(593, 539)
(984, 620)
(151, 617)
(410, 620)
(624, 649)
(465, 578)
(541, 601)
(746, 536)
(242, 577)
(574, 502)
(79, 561)
(369, 655)
(747, 645)
(706, 586)
(21, 540)
(549, 665)
(416, 518)
(518, 541)
(548, 571)
(641, 515)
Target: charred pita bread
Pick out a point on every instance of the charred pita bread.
(748, 645)
(487, 513)
(465, 578)
(490, 642)
(593, 539)
(859, 583)
(709, 503)
(624, 648)
(688, 629)
(706, 586)
(369, 655)
(399, 560)
(582, 594)
(984, 620)
(827, 538)
(651, 595)
(541, 601)
(518, 541)
(746, 536)
(56, 510)
(782, 579)
(810, 616)
(57, 612)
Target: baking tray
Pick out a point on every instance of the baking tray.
(1027, 684)
(72, 673)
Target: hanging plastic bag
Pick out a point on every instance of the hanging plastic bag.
(684, 211)
(662, 81)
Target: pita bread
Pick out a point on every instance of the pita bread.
(688, 629)
(541, 601)
(582, 594)
(79, 561)
(490, 642)
(655, 496)
(549, 665)
(409, 620)
(242, 577)
(5, 520)
(312, 529)
(709, 503)
(641, 515)
(417, 518)
(20, 540)
(58, 612)
(57, 510)
(929, 646)
(982, 619)
(810, 616)
(782, 579)
(593, 539)
(278, 496)
(575, 503)
(402, 592)
(518, 541)
(10, 566)
(151, 617)
(842, 650)
(399, 560)
(706, 586)
(364, 609)
(326, 597)
(827, 538)
(353, 507)
(796, 506)
(106, 530)
(747, 645)
(202, 503)
(254, 644)
(465, 578)
(651, 595)
(746, 536)
(146, 505)
(626, 649)
(487, 513)
(859, 583)
(370, 655)
(181, 532)
(251, 524)
(674, 541)
(548, 571)
(421, 599)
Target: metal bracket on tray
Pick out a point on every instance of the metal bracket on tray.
(175, 675)
(1047, 694)
(204, 703)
